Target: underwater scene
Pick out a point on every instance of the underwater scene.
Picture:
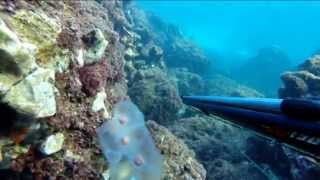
(159, 90)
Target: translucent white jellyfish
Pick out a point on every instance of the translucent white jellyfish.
(128, 145)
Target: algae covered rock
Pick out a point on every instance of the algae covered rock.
(99, 104)
(34, 94)
(189, 83)
(16, 51)
(131, 53)
(177, 51)
(95, 46)
(16, 58)
(294, 86)
(52, 144)
(217, 146)
(37, 56)
(156, 95)
(38, 28)
(304, 82)
(312, 65)
(179, 160)
(152, 53)
(25, 86)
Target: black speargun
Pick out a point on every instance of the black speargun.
(292, 122)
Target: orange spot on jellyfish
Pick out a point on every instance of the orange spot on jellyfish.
(125, 140)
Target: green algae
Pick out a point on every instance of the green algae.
(16, 58)
(37, 28)
(54, 57)
(9, 150)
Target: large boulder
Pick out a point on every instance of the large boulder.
(34, 94)
(17, 58)
(37, 28)
(155, 94)
(188, 83)
(304, 82)
(312, 65)
(24, 84)
(95, 44)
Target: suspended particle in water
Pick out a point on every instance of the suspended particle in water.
(123, 120)
(138, 160)
(125, 140)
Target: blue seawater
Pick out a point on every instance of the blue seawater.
(240, 28)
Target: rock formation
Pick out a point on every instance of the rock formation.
(218, 146)
(179, 160)
(177, 50)
(304, 82)
(156, 95)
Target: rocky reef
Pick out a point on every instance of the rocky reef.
(155, 94)
(219, 146)
(52, 58)
(166, 40)
(189, 83)
(304, 82)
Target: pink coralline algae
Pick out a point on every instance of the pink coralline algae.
(93, 77)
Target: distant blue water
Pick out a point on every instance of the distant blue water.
(237, 29)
